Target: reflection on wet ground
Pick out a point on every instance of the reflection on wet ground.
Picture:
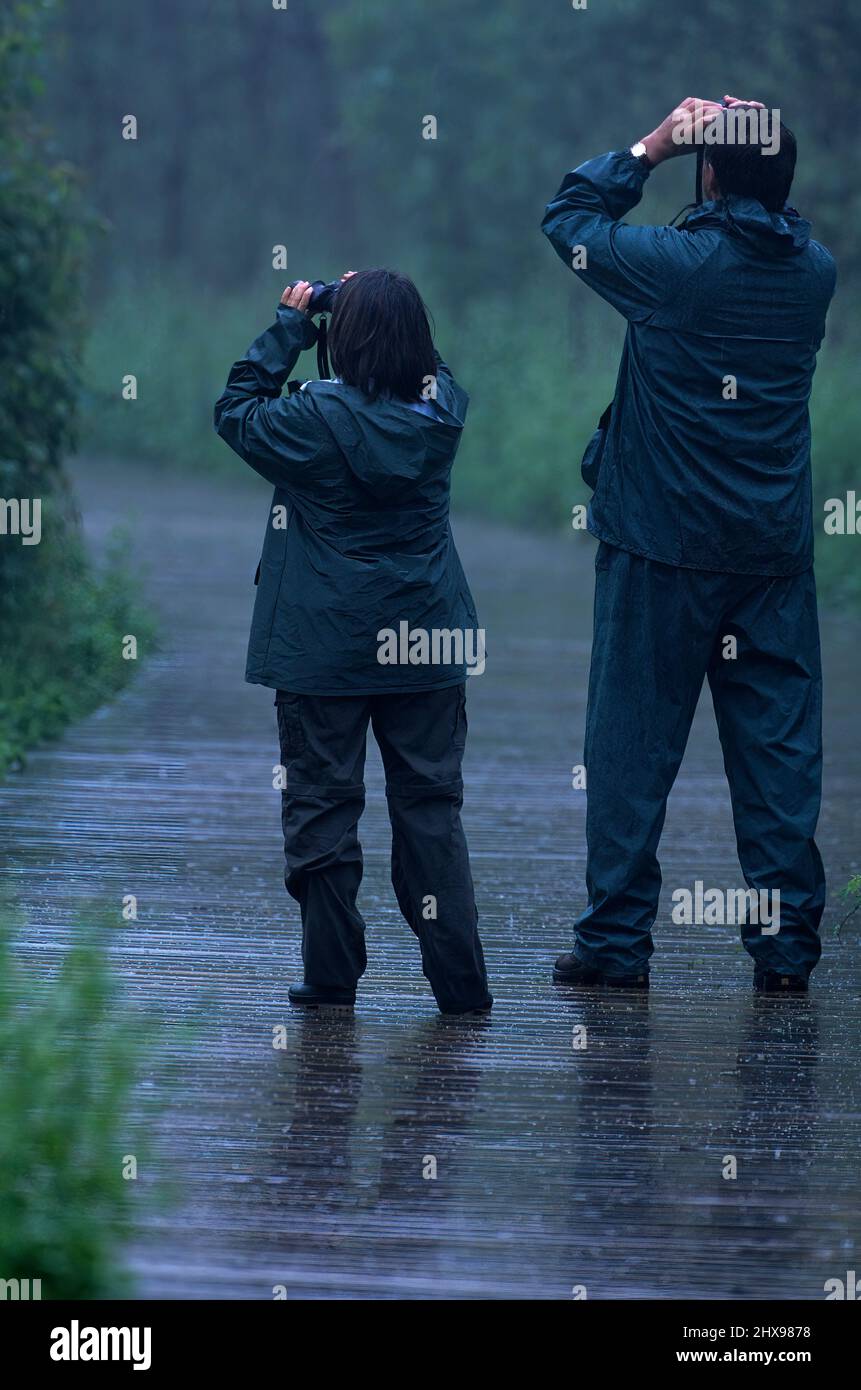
(571, 1143)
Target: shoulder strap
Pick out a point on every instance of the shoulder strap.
(322, 350)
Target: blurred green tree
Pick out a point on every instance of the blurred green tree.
(60, 622)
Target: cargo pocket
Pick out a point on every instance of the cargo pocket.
(291, 733)
(460, 721)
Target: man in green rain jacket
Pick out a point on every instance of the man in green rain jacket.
(702, 507)
(363, 615)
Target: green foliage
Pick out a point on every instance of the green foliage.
(60, 621)
(69, 1065)
(851, 891)
(836, 416)
(42, 240)
(172, 416)
(63, 639)
(538, 382)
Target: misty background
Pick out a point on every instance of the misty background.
(303, 127)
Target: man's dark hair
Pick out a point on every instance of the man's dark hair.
(743, 168)
(379, 337)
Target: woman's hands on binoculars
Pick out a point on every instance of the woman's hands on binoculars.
(298, 296)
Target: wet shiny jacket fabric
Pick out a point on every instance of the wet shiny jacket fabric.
(358, 538)
(704, 461)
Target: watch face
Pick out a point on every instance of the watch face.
(639, 153)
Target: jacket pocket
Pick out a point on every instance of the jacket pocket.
(590, 464)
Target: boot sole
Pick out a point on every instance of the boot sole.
(332, 1005)
(600, 981)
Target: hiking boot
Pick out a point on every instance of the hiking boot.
(476, 1011)
(313, 997)
(776, 982)
(570, 970)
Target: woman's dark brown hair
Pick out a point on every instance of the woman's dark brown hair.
(380, 337)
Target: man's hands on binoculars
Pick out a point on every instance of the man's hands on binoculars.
(298, 295)
(691, 115)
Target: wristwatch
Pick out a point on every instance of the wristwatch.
(639, 152)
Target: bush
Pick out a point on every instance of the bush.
(68, 1052)
(60, 622)
(63, 658)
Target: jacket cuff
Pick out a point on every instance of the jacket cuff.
(614, 180)
(298, 323)
(630, 162)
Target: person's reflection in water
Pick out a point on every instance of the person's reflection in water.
(773, 1136)
(320, 1094)
(431, 1084)
(614, 1176)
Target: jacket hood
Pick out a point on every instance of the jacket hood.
(386, 440)
(770, 233)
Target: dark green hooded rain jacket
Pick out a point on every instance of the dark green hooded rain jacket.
(705, 461)
(358, 539)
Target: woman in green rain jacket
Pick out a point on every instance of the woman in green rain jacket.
(363, 614)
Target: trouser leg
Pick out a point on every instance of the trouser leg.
(653, 634)
(422, 739)
(768, 704)
(323, 740)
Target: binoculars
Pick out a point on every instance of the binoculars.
(322, 299)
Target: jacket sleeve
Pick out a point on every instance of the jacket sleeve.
(635, 269)
(459, 398)
(443, 370)
(277, 435)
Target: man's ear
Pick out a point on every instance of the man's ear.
(711, 189)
